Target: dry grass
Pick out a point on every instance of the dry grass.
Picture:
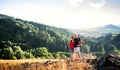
(27, 60)
(42, 64)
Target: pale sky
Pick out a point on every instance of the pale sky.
(74, 14)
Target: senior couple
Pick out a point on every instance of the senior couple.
(74, 46)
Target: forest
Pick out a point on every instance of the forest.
(21, 39)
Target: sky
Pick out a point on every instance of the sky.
(73, 14)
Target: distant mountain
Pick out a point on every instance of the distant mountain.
(109, 29)
(119, 26)
(111, 26)
(99, 31)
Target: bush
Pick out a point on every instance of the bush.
(99, 54)
(7, 53)
(56, 55)
(13, 57)
(50, 55)
(28, 55)
(19, 54)
(116, 52)
(41, 52)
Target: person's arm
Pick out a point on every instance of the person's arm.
(81, 42)
(69, 44)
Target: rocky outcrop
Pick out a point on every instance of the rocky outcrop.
(107, 62)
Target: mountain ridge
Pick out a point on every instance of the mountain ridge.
(111, 26)
(98, 31)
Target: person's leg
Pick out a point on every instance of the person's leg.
(75, 53)
(78, 54)
(70, 56)
(70, 53)
(73, 56)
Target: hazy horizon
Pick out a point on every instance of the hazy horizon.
(72, 14)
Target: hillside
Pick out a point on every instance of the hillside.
(107, 44)
(30, 34)
(28, 39)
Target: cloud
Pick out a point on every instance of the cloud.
(97, 4)
(91, 3)
(76, 3)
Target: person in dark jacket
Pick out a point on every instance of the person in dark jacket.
(77, 45)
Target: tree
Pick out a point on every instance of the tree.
(50, 55)
(41, 52)
(56, 55)
(28, 55)
(16, 48)
(18, 52)
(102, 49)
(85, 48)
(116, 52)
(7, 53)
(98, 54)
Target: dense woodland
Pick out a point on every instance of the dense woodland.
(27, 39)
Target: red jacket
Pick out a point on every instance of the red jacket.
(71, 45)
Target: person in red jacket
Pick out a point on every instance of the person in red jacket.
(71, 48)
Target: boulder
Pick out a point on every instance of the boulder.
(109, 62)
